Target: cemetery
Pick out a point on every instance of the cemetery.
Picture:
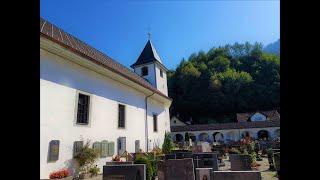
(244, 160)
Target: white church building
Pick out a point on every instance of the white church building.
(86, 95)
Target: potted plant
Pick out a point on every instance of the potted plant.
(86, 157)
(94, 171)
(61, 174)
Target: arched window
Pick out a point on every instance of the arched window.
(144, 71)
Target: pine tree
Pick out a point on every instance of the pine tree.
(167, 145)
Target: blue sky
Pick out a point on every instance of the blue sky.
(178, 28)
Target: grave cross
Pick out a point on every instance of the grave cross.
(197, 159)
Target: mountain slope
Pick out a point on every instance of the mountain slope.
(273, 48)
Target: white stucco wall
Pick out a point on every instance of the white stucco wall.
(161, 81)
(60, 80)
(176, 122)
(151, 73)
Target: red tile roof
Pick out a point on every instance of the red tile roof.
(222, 126)
(271, 115)
(75, 45)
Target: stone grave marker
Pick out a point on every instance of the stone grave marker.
(121, 145)
(97, 146)
(206, 160)
(182, 155)
(240, 162)
(276, 160)
(77, 145)
(197, 149)
(204, 174)
(177, 169)
(170, 156)
(54, 150)
(237, 175)
(112, 163)
(206, 147)
(124, 172)
(110, 148)
(104, 148)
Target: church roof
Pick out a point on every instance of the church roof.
(271, 115)
(148, 55)
(77, 46)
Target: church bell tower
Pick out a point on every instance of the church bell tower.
(150, 67)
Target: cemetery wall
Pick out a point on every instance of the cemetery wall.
(227, 132)
(60, 81)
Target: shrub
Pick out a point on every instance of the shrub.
(140, 159)
(94, 170)
(167, 145)
(59, 174)
(187, 137)
(86, 157)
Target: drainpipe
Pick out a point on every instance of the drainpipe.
(146, 123)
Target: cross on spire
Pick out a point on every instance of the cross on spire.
(149, 35)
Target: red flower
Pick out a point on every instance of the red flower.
(59, 174)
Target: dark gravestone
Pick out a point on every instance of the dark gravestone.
(121, 145)
(170, 156)
(54, 150)
(240, 162)
(177, 169)
(113, 163)
(124, 172)
(204, 174)
(276, 160)
(237, 175)
(137, 146)
(182, 155)
(206, 160)
(77, 145)
(104, 148)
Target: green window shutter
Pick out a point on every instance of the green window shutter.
(97, 146)
(104, 148)
(111, 148)
(54, 150)
(77, 146)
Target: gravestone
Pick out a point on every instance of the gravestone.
(104, 148)
(206, 160)
(204, 174)
(121, 145)
(197, 149)
(137, 145)
(77, 145)
(97, 146)
(206, 147)
(124, 172)
(110, 148)
(182, 155)
(177, 169)
(112, 163)
(240, 162)
(170, 156)
(276, 160)
(54, 150)
(237, 175)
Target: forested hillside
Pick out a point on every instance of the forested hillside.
(215, 85)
